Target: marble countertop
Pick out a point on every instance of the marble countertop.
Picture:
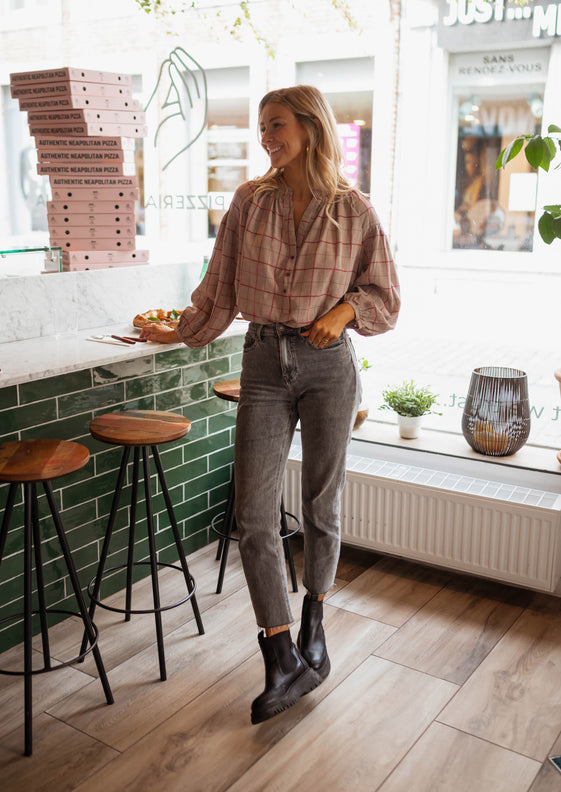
(49, 356)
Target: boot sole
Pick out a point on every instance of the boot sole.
(304, 684)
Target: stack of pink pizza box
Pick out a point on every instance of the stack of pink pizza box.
(85, 124)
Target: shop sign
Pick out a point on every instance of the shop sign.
(501, 67)
(464, 24)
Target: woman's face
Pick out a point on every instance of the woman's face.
(283, 137)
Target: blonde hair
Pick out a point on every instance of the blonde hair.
(324, 155)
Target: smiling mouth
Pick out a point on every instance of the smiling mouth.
(274, 150)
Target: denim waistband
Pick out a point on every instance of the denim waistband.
(276, 329)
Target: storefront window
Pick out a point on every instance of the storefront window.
(227, 139)
(494, 209)
(347, 86)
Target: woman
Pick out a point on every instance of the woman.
(302, 256)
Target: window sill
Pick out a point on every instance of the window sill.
(448, 444)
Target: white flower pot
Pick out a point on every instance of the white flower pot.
(409, 426)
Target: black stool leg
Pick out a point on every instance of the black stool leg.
(287, 548)
(6, 519)
(177, 538)
(40, 579)
(228, 526)
(132, 526)
(107, 540)
(90, 633)
(153, 564)
(27, 631)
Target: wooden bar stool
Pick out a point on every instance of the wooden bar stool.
(224, 524)
(26, 463)
(142, 430)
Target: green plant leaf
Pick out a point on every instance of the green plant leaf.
(557, 227)
(537, 153)
(510, 152)
(545, 227)
(550, 143)
(553, 209)
(553, 128)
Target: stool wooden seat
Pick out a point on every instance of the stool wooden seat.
(40, 460)
(143, 431)
(28, 462)
(139, 427)
(229, 390)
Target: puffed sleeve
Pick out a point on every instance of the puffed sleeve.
(374, 295)
(214, 303)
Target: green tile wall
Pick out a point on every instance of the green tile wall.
(198, 467)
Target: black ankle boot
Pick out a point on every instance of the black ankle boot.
(311, 638)
(287, 676)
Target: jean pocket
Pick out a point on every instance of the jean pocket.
(250, 341)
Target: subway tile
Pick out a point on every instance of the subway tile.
(34, 414)
(188, 508)
(94, 487)
(195, 542)
(198, 523)
(109, 459)
(221, 458)
(193, 470)
(219, 495)
(217, 369)
(144, 403)
(221, 421)
(92, 399)
(9, 437)
(206, 445)
(103, 375)
(203, 408)
(207, 482)
(225, 346)
(181, 396)
(144, 386)
(8, 398)
(179, 357)
(198, 429)
(75, 428)
(38, 390)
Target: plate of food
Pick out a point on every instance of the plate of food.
(169, 318)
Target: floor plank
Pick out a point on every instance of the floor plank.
(512, 699)
(452, 634)
(387, 705)
(447, 759)
(62, 757)
(391, 591)
(208, 744)
(439, 682)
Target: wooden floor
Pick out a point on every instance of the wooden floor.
(438, 682)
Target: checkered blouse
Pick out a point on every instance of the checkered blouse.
(265, 269)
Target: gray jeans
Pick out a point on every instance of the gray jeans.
(285, 380)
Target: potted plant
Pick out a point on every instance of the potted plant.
(362, 413)
(410, 403)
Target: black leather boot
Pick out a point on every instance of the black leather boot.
(311, 638)
(287, 676)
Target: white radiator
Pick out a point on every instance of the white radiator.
(488, 528)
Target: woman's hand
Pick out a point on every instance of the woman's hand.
(156, 331)
(329, 327)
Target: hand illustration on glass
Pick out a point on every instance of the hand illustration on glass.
(184, 110)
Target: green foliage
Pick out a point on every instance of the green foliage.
(408, 399)
(243, 19)
(540, 152)
(363, 364)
